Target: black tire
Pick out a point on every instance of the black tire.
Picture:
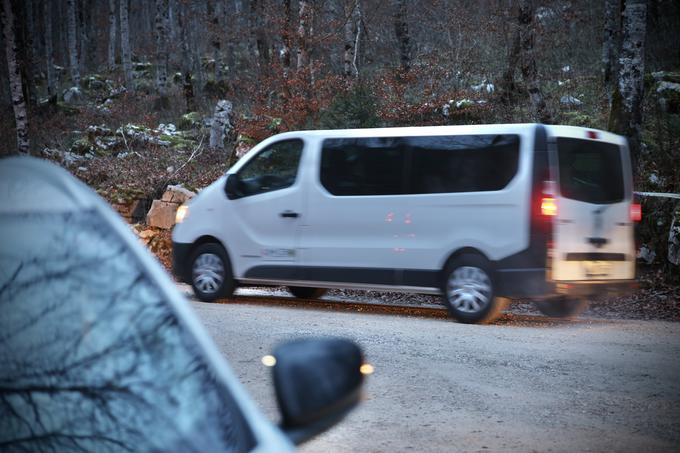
(468, 290)
(562, 307)
(302, 292)
(211, 276)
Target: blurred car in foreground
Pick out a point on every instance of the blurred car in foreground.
(100, 352)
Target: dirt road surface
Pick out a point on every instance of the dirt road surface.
(526, 383)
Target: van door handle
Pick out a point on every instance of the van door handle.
(290, 214)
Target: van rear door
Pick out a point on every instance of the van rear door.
(593, 234)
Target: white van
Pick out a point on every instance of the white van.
(478, 214)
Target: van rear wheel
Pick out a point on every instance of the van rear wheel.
(302, 292)
(211, 276)
(562, 307)
(468, 290)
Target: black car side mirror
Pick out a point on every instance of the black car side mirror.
(317, 383)
(232, 188)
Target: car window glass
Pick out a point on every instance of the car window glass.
(274, 168)
(590, 171)
(462, 163)
(418, 165)
(362, 166)
(93, 358)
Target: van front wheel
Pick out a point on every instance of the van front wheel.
(468, 290)
(562, 307)
(302, 292)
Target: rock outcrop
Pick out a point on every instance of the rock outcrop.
(162, 212)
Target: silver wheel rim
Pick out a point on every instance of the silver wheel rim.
(468, 289)
(208, 273)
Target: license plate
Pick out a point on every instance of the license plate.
(596, 269)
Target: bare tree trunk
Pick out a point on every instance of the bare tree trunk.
(112, 35)
(15, 81)
(626, 113)
(507, 85)
(125, 52)
(303, 50)
(352, 32)
(162, 52)
(49, 52)
(196, 50)
(82, 13)
(187, 83)
(29, 62)
(610, 48)
(539, 108)
(286, 38)
(216, 38)
(72, 42)
(403, 37)
(358, 19)
(260, 34)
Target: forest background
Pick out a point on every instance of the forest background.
(125, 93)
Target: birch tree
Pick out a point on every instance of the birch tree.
(15, 80)
(72, 42)
(112, 35)
(352, 37)
(626, 110)
(49, 51)
(125, 52)
(539, 108)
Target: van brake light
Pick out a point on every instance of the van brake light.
(549, 206)
(635, 212)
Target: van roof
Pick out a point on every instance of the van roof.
(557, 130)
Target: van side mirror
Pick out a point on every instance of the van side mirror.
(317, 382)
(232, 186)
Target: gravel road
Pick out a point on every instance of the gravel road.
(526, 383)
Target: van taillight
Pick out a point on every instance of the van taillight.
(549, 206)
(635, 212)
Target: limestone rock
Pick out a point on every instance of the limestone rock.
(73, 95)
(570, 100)
(161, 214)
(177, 194)
(221, 124)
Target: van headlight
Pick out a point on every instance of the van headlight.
(182, 213)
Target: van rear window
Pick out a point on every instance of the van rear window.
(590, 171)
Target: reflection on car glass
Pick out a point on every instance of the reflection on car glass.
(93, 358)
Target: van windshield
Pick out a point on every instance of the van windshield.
(590, 171)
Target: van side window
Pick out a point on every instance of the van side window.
(462, 163)
(418, 165)
(274, 168)
(362, 166)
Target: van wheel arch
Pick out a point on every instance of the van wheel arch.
(207, 239)
(467, 251)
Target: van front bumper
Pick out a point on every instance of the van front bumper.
(594, 287)
(180, 261)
